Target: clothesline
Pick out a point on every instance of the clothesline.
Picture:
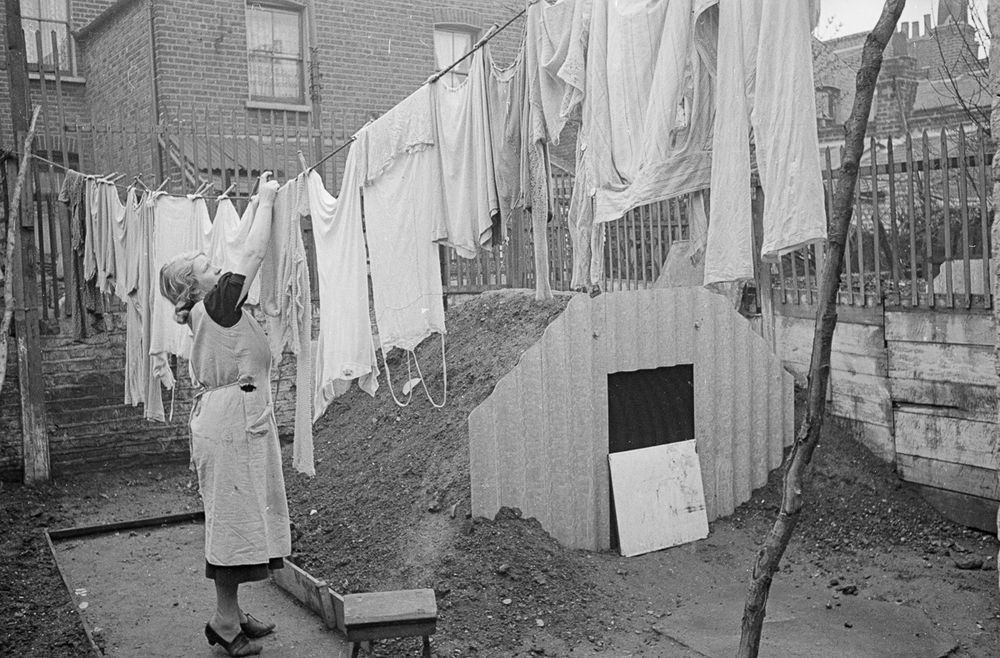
(127, 187)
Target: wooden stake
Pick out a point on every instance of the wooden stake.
(22, 270)
(792, 502)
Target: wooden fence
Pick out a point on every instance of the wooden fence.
(920, 236)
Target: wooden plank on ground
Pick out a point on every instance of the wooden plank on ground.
(976, 400)
(926, 326)
(962, 478)
(152, 522)
(956, 440)
(370, 608)
(971, 364)
(309, 591)
(658, 494)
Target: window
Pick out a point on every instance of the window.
(450, 43)
(275, 53)
(45, 17)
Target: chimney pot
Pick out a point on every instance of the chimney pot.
(927, 24)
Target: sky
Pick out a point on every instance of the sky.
(842, 17)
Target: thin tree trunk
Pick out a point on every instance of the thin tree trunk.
(769, 556)
(13, 227)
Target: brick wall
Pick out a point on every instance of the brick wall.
(89, 426)
(119, 90)
(75, 110)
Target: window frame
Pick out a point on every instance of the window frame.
(301, 100)
(31, 50)
(454, 77)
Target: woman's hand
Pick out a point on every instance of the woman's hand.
(267, 187)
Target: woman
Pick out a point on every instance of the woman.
(234, 438)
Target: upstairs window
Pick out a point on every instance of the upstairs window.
(45, 17)
(450, 43)
(275, 53)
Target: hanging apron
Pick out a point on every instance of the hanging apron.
(235, 452)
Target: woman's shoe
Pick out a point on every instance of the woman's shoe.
(239, 646)
(255, 628)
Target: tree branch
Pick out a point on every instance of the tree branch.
(769, 557)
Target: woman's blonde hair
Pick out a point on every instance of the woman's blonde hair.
(179, 286)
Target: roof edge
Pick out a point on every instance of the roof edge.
(102, 19)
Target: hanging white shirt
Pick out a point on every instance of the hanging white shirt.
(402, 209)
(765, 81)
(180, 225)
(465, 150)
(345, 350)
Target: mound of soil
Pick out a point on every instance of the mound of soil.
(389, 509)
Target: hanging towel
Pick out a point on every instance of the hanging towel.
(143, 285)
(647, 118)
(79, 293)
(403, 207)
(464, 146)
(180, 224)
(227, 241)
(131, 239)
(285, 299)
(111, 211)
(504, 99)
(126, 218)
(90, 232)
(763, 83)
(345, 350)
(555, 47)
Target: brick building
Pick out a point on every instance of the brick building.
(281, 62)
(931, 77)
(195, 90)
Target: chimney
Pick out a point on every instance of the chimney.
(904, 29)
(927, 25)
(953, 11)
(915, 30)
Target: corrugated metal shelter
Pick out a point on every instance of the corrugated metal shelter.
(540, 441)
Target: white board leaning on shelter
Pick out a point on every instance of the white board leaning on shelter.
(659, 499)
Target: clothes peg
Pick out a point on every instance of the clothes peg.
(108, 178)
(163, 184)
(228, 190)
(302, 162)
(117, 177)
(138, 179)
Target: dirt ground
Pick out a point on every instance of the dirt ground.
(389, 509)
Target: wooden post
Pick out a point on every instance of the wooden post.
(993, 20)
(22, 270)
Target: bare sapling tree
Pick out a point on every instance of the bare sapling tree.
(792, 501)
(13, 227)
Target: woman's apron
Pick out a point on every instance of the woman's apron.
(235, 451)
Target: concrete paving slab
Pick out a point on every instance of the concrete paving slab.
(798, 625)
(144, 593)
